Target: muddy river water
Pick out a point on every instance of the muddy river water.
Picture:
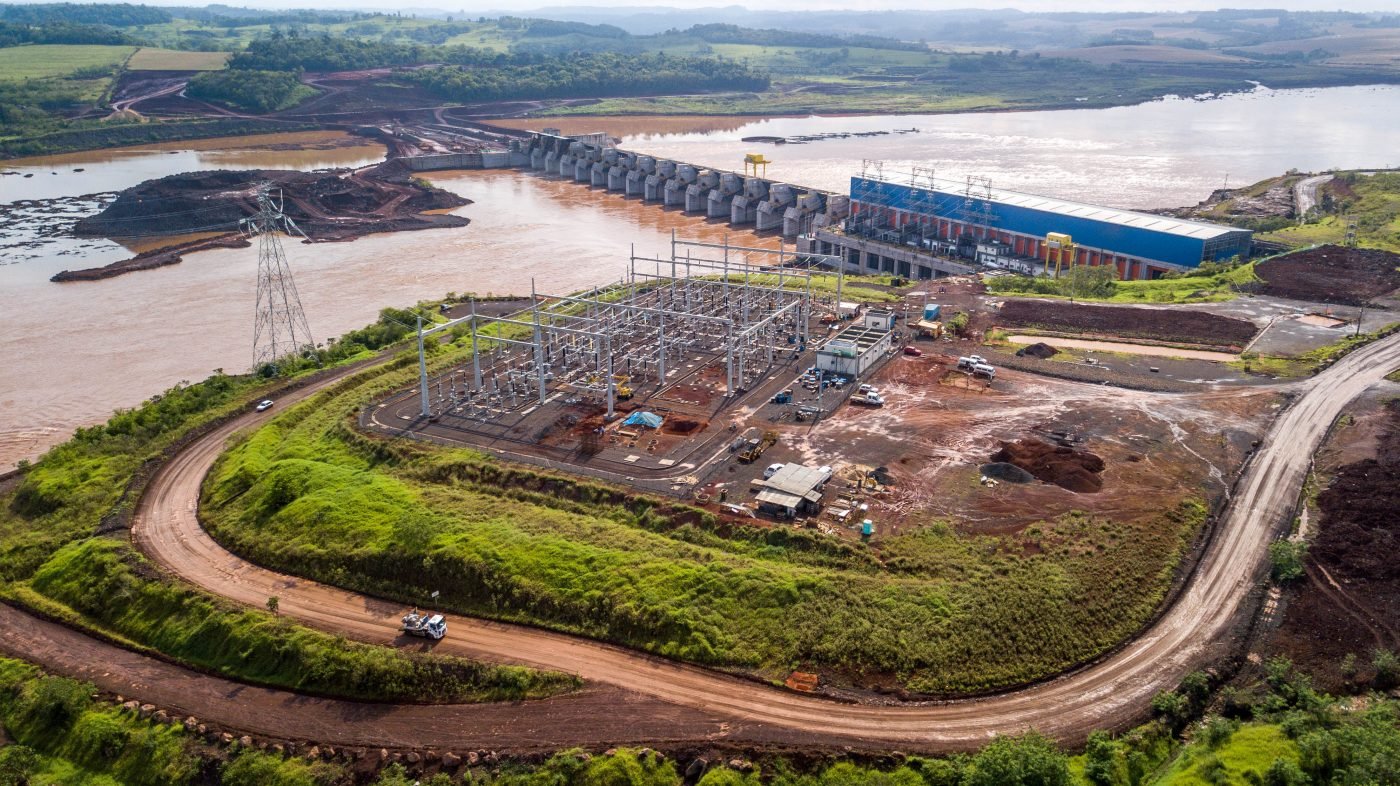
(71, 353)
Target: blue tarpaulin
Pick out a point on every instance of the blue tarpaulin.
(648, 419)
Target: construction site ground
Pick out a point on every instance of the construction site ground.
(1348, 603)
(939, 426)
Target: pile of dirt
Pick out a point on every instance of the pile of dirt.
(680, 425)
(1038, 350)
(1158, 324)
(1009, 473)
(1068, 468)
(327, 206)
(1331, 274)
(1358, 539)
(1350, 603)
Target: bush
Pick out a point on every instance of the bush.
(1030, 760)
(17, 763)
(1286, 560)
(1387, 666)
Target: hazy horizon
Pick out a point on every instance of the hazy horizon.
(1033, 6)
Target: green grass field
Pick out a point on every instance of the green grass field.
(152, 59)
(42, 61)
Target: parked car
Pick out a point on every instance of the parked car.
(264, 405)
(913, 351)
(772, 470)
(868, 390)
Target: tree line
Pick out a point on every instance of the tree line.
(589, 75)
(113, 14)
(12, 34)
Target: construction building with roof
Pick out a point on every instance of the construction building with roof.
(919, 226)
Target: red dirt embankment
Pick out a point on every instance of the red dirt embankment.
(326, 206)
(1068, 468)
(1331, 274)
(1157, 324)
(1350, 603)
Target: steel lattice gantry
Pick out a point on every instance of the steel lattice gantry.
(707, 301)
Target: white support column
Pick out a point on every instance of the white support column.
(422, 372)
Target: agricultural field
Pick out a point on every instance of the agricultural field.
(46, 61)
(152, 59)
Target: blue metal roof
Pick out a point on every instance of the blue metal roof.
(1142, 235)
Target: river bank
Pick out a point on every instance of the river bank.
(83, 350)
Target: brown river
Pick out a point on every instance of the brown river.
(71, 353)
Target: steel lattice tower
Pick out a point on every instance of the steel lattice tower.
(279, 324)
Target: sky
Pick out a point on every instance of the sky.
(495, 7)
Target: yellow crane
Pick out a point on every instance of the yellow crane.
(1061, 247)
(754, 161)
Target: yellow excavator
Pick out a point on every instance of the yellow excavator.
(620, 386)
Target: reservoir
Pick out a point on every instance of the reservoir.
(74, 352)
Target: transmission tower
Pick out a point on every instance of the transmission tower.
(279, 324)
(977, 205)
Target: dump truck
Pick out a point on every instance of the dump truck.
(425, 625)
(756, 447)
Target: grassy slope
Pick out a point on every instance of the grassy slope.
(1374, 206)
(1189, 289)
(1253, 747)
(941, 611)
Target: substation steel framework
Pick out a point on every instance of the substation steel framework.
(638, 330)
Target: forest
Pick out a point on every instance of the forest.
(113, 14)
(12, 34)
(259, 91)
(589, 75)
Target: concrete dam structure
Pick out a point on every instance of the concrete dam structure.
(743, 200)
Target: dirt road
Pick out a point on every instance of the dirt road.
(1111, 692)
(1305, 194)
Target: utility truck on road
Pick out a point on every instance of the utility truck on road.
(425, 625)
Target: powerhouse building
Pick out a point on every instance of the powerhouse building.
(900, 225)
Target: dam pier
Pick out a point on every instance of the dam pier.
(743, 199)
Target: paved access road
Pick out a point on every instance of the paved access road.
(1112, 692)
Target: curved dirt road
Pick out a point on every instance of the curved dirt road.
(1110, 692)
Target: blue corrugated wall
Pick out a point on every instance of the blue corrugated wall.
(1116, 238)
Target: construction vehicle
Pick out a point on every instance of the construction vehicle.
(424, 625)
(784, 397)
(620, 386)
(756, 447)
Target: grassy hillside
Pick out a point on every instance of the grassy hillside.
(1370, 201)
